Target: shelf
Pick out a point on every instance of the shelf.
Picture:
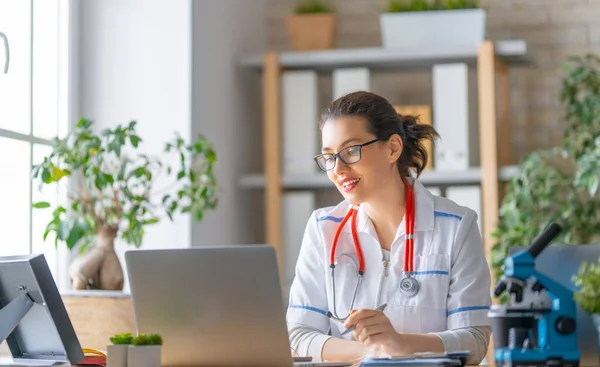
(428, 178)
(511, 51)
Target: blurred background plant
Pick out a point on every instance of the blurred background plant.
(397, 6)
(124, 338)
(147, 339)
(314, 7)
(559, 184)
(113, 194)
(587, 281)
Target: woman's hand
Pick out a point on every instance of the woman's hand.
(375, 331)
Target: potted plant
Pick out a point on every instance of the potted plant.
(145, 351)
(312, 26)
(113, 194)
(116, 353)
(409, 24)
(587, 295)
(559, 184)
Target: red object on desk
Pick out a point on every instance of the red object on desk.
(93, 361)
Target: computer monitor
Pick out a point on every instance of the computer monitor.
(33, 318)
(561, 262)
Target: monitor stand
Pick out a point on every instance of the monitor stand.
(13, 313)
(10, 316)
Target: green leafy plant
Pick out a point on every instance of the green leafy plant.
(399, 6)
(587, 280)
(148, 339)
(124, 338)
(559, 184)
(581, 94)
(113, 193)
(313, 7)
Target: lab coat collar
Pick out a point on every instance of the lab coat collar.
(424, 213)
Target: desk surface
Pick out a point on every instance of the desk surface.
(7, 362)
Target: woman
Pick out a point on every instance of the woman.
(433, 285)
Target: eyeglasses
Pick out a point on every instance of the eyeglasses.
(348, 155)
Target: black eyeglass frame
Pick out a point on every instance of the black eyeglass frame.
(337, 155)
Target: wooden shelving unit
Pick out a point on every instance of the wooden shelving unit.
(492, 60)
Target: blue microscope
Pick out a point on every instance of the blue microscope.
(530, 334)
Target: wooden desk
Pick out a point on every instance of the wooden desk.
(6, 362)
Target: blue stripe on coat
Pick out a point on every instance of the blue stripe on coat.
(471, 308)
(431, 272)
(448, 215)
(329, 217)
(318, 310)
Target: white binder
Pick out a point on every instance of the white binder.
(451, 116)
(350, 80)
(469, 196)
(297, 208)
(300, 121)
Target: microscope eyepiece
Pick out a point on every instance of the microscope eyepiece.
(544, 239)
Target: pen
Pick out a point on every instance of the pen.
(351, 328)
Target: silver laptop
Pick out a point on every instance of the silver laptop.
(213, 306)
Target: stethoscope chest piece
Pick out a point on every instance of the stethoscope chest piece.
(409, 286)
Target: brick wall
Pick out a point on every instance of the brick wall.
(553, 29)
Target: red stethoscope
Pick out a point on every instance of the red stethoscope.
(409, 286)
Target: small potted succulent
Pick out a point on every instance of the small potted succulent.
(432, 23)
(312, 26)
(145, 351)
(587, 295)
(116, 353)
(126, 350)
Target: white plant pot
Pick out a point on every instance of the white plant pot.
(438, 28)
(144, 356)
(116, 355)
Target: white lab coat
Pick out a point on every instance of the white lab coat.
(449, 263)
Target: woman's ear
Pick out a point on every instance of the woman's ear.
(395, 147)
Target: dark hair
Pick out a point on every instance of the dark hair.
(384, 121)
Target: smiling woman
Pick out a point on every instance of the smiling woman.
(420, 255)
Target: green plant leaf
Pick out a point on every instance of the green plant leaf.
(145, 339)
(125, 338)
(76, 233)
(395, 6)
(313, 7)
(135, 140)
(64, 229)
(41, 205)
(587, 281)
(122, 170)
(46, 176)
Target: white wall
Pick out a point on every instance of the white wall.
(135, 64)
(171, 65)
(226, 108)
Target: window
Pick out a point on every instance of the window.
(33, 110)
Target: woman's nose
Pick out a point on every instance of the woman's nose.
(339, 166)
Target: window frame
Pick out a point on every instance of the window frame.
(65, 98)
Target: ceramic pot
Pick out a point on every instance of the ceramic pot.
(116, 355)
(436, 28)
(311, 31)
(144, 356)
